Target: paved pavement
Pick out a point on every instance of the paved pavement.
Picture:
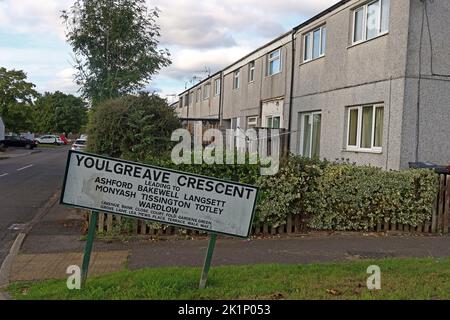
(26, 184)
(54, 243)
(31, 267)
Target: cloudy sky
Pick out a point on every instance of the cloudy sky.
(200, 35)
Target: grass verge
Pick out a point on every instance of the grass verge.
(400, 279)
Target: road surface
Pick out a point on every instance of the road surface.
(26, 184)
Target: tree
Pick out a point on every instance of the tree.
(116, 46)
(16, 99)
(132, 127)
(59, 112)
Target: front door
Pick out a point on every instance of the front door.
(310, 129)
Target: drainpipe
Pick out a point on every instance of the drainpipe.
(293, 67)
(221, 100)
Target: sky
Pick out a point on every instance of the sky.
(200, 35)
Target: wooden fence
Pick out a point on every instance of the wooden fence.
(439, 223)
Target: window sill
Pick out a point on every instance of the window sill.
(312, 60)
(365, 41)
(272, 75)
(362, 151)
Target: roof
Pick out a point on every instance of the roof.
(295, 29)
(321, 14)
(201, 82)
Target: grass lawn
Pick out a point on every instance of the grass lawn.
(400, 279)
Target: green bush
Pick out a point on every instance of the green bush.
(132, 127)
(349, 197)
(330, 196)
(284, 193)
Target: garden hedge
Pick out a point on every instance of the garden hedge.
(331, 196)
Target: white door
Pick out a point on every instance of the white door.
(310, 132)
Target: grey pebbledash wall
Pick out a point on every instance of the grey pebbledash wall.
(383, 70)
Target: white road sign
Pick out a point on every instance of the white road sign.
(151, 193)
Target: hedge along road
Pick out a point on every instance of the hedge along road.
(151, 193)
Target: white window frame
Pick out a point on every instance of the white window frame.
(236, 79)
(206, 91)
(302, 131)
(251, 71)
(217, 85)
(252, 121)
(308, 54)
(271, 59)
(364, 8)
(271, 117)
(358, 147)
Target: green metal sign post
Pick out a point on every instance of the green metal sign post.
(88, 248)
(208, 258)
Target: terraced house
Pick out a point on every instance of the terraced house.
(367, 81)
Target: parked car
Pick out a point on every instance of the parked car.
(15, 141)
(79, 145)
(50, 139)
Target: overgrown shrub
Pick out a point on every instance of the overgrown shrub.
(132, 127)
(331, 196)
(284, 193)
(349, 197)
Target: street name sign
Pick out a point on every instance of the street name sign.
(151, 193)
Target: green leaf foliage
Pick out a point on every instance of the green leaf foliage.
(115, 43)
(349, 197)
(59, 112)
(330, 196)
(132, 127)
(16, 100)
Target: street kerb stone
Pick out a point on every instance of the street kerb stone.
(34, 267)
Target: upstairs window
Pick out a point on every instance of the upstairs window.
(236, 79)
(370, 20)
(206, 91)
(217, 84)
(251, 71)
(186, 100)
(199, 94)
(315, 43)
(274, 62)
